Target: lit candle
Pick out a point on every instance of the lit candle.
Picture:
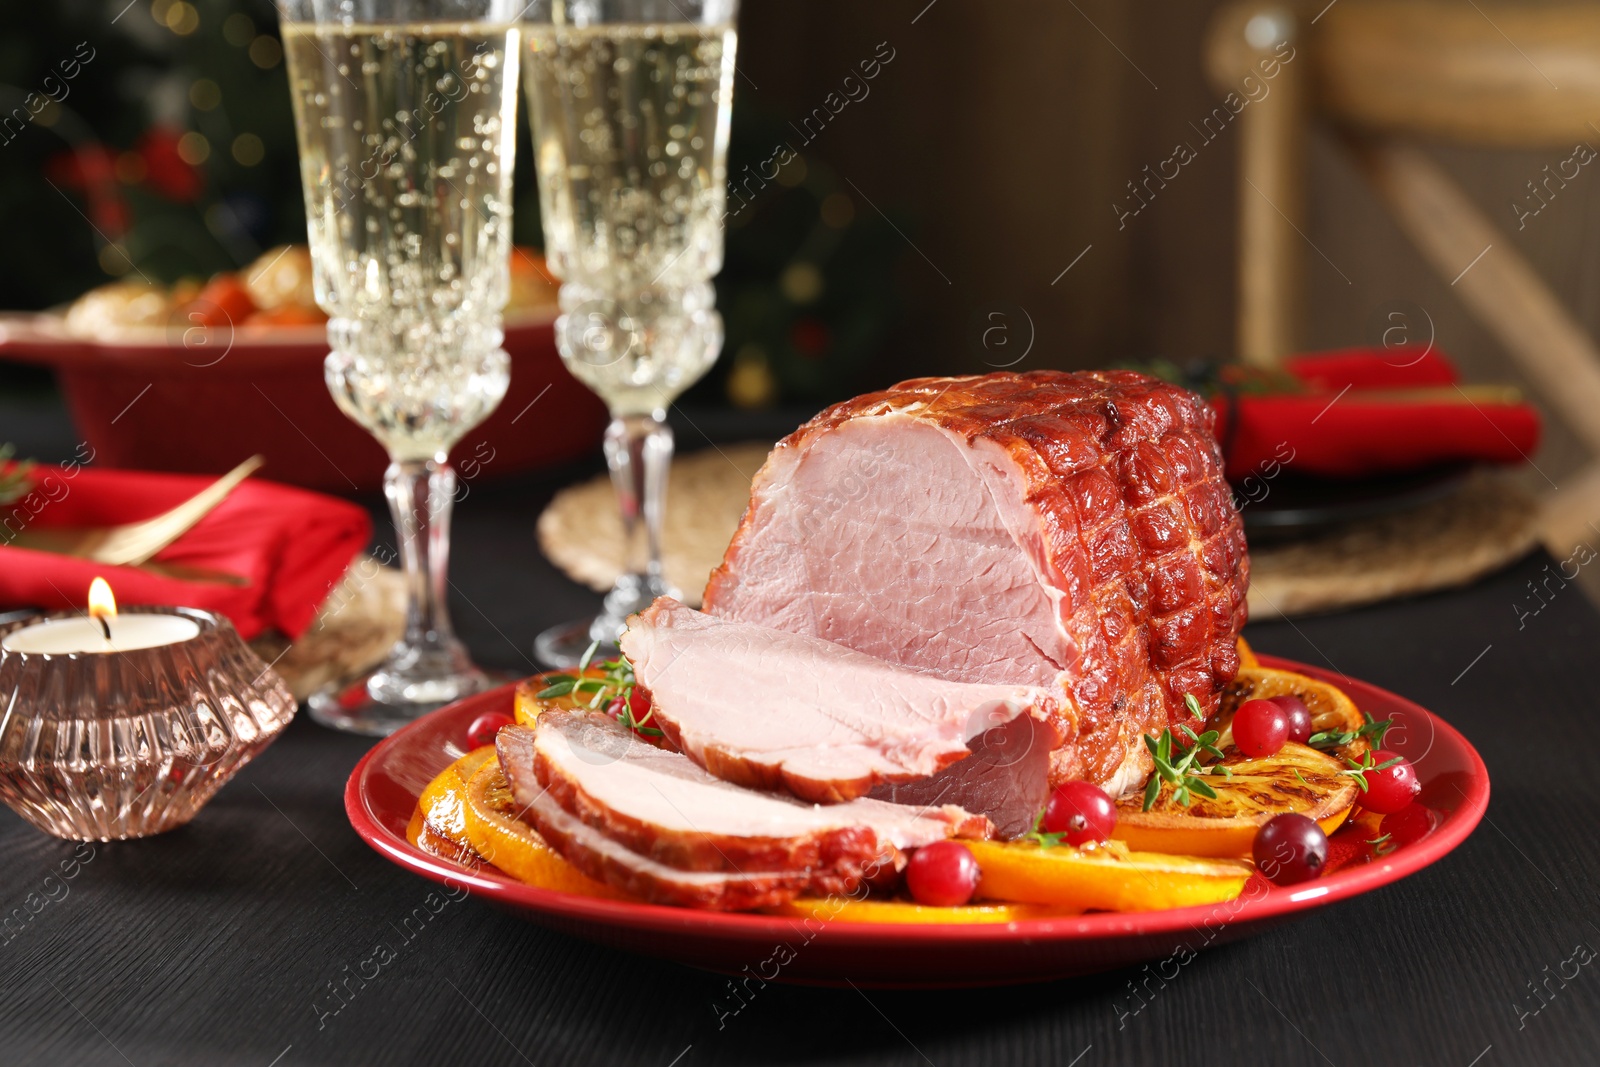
(102, 630)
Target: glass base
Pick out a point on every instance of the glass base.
(402, 689)
(564, 645)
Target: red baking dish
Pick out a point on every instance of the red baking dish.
(199, 401)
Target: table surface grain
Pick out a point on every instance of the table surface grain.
(216, 944)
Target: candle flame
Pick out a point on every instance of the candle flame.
(102, 605)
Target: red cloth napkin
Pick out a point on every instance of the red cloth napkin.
(291, 544)
(1340, 429)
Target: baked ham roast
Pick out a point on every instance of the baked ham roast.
(652, 823)
(1048, 529)
(959, 589)
(771, 709)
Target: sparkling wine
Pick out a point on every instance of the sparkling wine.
(631, 132)
(407, 134)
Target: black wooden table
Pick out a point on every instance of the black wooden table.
(217, 944)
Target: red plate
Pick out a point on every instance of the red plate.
(382, 793)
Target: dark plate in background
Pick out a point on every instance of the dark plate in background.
(1292, 506)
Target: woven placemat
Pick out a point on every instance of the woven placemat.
(1487, 524)
(360, 620)
(581, 530)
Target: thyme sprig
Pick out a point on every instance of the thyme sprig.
(615, 680)
(1038, 835)
(1359, 771)
(1184, 772)
(1373, 730)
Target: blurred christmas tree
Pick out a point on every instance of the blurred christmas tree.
(807, 290)
(170, 153)
(156, 141)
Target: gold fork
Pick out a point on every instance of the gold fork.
(134, 543)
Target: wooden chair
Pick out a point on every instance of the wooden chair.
(1381, 73)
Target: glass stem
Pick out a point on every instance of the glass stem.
(639, 454)
(421, 494)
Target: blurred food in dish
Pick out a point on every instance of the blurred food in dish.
(189, 377)
(278, 289)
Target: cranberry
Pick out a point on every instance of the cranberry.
(1299, 717)
(1081, 812)
(637, 705)
(1290, 848)
(1260, 728)
(1408, 825)
(943, 874)
(485, 726)
(1391, 789)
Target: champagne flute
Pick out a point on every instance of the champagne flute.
(405, 111)
(630, 101)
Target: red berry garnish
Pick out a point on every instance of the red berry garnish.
(636, 705)
(943, 874)
(484, 728)
(1260, 728)
(1290, 848)
(1081, 812)
(1408, 825)
(1299, 717)
(1392, 788)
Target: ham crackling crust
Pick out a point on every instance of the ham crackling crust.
(1047, 527)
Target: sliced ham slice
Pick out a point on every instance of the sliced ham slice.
(1006, 779)
(771, 709)
(613, 863)
(656, 825)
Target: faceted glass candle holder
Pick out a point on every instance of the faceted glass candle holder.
(104, 746)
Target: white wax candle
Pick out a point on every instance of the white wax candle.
(83, 634)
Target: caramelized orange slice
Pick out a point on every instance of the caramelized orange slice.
(497, 833)
(1247, 655)
(1295, 778)
(843, 909)
(443, 799)
(1108, 878)
(420, 834)
(529, 703)
(415, 828)
(1330, 708)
